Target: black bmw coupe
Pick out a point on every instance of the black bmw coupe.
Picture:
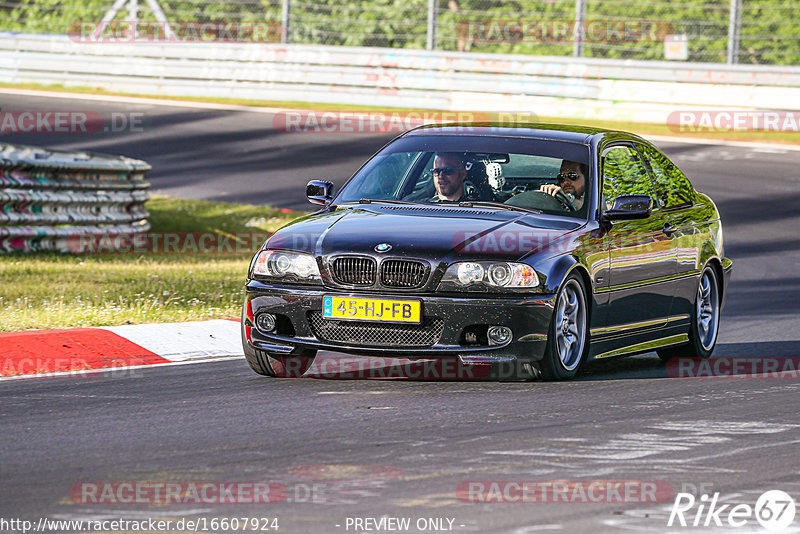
(537, 245)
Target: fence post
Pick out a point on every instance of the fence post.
(133, 10)
(285, 14)
(734, 24)
(432, 20)
(133, 13)
(578, 34)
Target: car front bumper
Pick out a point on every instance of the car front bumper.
(301, 327)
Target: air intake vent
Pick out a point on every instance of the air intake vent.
(455, 209)
(354, 270)
(403, 273)
(377, 334)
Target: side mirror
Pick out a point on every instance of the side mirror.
(628, 207)
(319, 192)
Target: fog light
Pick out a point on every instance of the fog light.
(265, 322)
(498, 335)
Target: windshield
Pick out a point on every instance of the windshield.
(519, 173)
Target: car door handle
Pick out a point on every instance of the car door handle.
(669, 229)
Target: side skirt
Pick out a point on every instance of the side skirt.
(647, 346)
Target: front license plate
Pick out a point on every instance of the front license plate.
(361, 309)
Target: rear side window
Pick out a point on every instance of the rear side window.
(624, 174)
(673, 188)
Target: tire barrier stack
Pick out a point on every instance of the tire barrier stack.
(54, 200)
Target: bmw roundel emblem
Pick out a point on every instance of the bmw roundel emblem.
(383, 247)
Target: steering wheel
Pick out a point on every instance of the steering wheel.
(565, 201)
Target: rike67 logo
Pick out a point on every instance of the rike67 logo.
(774, 510)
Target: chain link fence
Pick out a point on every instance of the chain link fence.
(722, 31)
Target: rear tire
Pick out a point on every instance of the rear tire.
(276, 366)
(568, 338)
(705, 321)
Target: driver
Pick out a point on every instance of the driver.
(572, 180)
(449, 172)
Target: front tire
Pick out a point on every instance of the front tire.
(567, 341)
(276, 366)
(705, 321)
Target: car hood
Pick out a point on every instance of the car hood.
(423, 231)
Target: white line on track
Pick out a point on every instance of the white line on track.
(115, 371)
(143, 100)
(351, 392)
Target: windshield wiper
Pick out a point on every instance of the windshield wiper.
(383, 201)
(496, 205)
(466, 204)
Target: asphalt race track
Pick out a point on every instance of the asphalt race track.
(371, 448)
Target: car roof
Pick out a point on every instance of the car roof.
(559, 132)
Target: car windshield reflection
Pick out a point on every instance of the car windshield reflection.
(549, 181)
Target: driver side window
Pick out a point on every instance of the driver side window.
(624, 174)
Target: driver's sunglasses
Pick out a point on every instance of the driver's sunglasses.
(447, 171)
(571, 176)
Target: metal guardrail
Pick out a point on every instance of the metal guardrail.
(645, 91)
(51, 200)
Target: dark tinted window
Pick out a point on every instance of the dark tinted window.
(674, 189)
(624, 174)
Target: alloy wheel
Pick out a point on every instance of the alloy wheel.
(570, 325)
(707, 310)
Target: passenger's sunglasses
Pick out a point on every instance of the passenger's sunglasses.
(571, 176)
(447, 171)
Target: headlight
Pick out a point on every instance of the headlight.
(468, 273)
(488, 276)
(287, 266)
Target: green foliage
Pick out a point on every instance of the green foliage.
(770, 29)
(704, 23)
(383, 23)
(512, 27)
(60, 16)
(770, 34)
(52, 16)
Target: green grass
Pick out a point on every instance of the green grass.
(644, 129)
(52, 290)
